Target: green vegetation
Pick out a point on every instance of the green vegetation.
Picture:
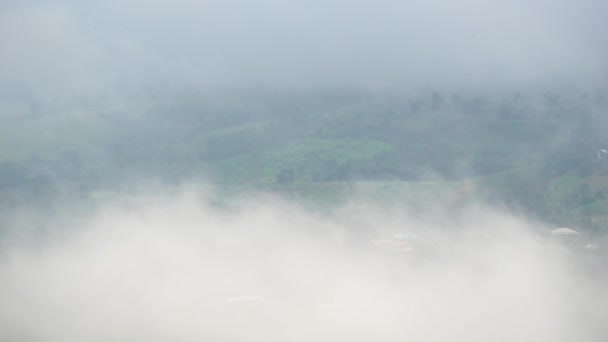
(536, 152)
(307, 160)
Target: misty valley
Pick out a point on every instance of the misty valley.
(290, 215)
(303, 170)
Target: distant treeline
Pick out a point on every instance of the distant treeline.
(537, 150)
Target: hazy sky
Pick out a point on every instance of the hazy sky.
(61, 47)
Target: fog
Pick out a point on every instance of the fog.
(172, 265)
(264, 120)
(59, 48)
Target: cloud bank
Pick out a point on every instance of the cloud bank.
(61, 48)
(175, 267)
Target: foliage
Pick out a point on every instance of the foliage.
(532, 150)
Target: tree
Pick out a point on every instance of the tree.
(285, 176)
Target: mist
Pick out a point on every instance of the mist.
(281, 170)
(171, 265)
(57, 49)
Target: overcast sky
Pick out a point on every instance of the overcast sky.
(63, 46)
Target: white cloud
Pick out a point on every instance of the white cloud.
(165, 267)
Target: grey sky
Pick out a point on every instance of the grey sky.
(69, 46)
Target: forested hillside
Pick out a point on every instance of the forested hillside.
(535, 150)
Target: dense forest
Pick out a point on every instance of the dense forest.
(537, 151)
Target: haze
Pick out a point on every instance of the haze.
(281, 170)
(66, 47)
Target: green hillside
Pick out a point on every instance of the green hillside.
(535, 151)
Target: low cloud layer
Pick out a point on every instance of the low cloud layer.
(175, 267)
(58, 48)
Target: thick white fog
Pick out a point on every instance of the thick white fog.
(176, 267)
